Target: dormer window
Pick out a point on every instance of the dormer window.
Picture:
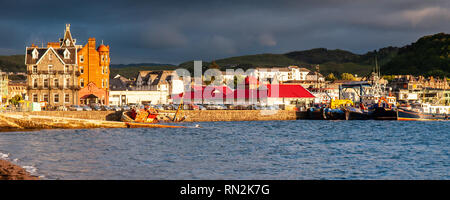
(67, 42)
(66, 54)
(35, 54)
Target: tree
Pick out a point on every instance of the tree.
(347, 76)
(15, 100)
(330, 77)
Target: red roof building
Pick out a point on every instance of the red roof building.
(225, 95)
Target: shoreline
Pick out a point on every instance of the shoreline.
(10, 171)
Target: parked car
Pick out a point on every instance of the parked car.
(200, 107)
(125, 107)
(75, 108)
(96, 107)
(158, 107)
(255, 107)
(116, 108)
(86, 108)
(168, 107)
(105, 108)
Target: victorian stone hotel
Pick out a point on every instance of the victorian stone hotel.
(64, 73)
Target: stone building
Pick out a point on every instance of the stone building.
(64, 73)
(408, 88)
(4, 86)
(17, 88)
(52, 72)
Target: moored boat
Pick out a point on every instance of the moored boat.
(425, 112)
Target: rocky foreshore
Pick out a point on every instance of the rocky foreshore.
(10, 171)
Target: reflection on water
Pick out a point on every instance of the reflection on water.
(300, 149)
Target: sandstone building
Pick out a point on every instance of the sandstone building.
(64, 73)
(93, 65)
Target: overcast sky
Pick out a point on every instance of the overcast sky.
(176, 31)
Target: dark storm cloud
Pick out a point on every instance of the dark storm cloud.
(176, 31)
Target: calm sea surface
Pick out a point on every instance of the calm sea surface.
(300, 149)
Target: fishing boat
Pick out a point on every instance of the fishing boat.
(423, 112)
(381, 107)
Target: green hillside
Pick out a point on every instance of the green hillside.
(430, 55)
(14, 63)
(427, 56)
(330, 61)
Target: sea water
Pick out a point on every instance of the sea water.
(301, 149)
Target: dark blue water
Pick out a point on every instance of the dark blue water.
(239, 150)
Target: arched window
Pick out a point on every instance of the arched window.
(82, 83)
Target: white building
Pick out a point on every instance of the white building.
(123, 97)
(151, 87)
(281, 74)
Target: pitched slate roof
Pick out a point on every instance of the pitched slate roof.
(116, 84)
(155, 77)
(59, 52)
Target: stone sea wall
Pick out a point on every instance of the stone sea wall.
(96, 115)
(192, 115)
(239, 115)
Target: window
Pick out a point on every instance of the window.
(46, 98)
(103, 83)
(56, 98)
(66, 54)
(66, 98)
(50, 56)
(45, 82)
(34, 70)
(82, 83)
(81, 69)
(103, 69)
(35, 54)
(35, 98)
(50, 68)
(67, 82)
(81, 59)
(67, 42)
(66, 68)
(103, 58)
(35, 83)
(56, 82)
